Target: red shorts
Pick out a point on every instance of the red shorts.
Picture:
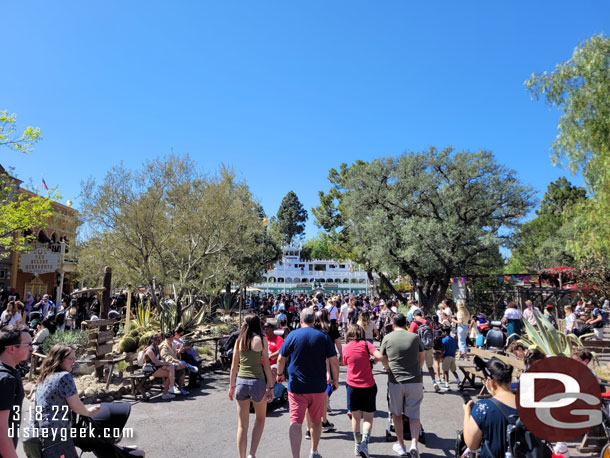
(299, 403)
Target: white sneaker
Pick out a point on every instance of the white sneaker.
(437, 388)
(399, 449)
(167, 396)
(447, 386)
(414, 451)
(174, 390)
(356, 449)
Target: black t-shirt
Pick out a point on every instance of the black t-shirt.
(11, 397)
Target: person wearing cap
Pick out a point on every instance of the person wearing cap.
(485, 421)
(549, 314)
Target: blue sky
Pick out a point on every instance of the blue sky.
(282, 91)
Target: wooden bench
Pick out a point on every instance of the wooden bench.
(598, 346)
(141, 384)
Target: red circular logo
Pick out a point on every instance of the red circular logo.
(559, 399)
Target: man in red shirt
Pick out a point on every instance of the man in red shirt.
(274, 342)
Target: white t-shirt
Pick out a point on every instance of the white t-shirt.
(571, 318)
(332, 311)
(512, 314)
(344, 308)
(16, 318)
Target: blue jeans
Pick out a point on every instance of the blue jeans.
(462, 333)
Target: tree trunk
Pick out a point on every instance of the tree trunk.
(432, 292)
(107, 284)
(388, 284)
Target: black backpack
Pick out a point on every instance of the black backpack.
(521, 443)
(425, 335)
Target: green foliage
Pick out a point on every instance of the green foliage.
(480, 301)
(77, 339)
(543, 242)
(429, 215)
(189, 319)
(128, 345)
(580, 89)
(144, 318)
(549, 340)
(205, 351)
(171, 221)
(291, 217)
(20, 211)
(143, 340)
(320, 247)
(121, 366)
(24, 142)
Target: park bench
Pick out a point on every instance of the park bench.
(471, 373)
(141, 384)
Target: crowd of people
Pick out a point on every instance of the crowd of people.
(341, 331)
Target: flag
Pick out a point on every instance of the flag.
(44, 185)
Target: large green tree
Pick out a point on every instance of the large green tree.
(542, 242)
(580, 89)
(20, 212)
(172, 223)
(429, 215)
(291, 217)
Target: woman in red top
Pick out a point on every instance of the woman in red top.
(358, 356)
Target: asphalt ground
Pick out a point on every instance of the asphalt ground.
(204, 424)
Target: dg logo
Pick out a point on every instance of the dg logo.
(559, 399)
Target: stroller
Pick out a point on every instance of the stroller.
(405, 425)
(111, 417)
(226, 350)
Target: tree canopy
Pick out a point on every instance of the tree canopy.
(20, 212)
(291, 217)
(429, 215)
(580, 89)
(543, 242)
(171, 222)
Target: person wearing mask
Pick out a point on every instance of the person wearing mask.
(56, 396)
(15, 347)
(250, 382)
(485, 421)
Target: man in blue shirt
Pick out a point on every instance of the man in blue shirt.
(449, 349)
(307, 350)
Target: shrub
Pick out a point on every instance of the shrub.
(204, 351)
(135, 333)
(143, 340)
(77, 339)
(128, 345)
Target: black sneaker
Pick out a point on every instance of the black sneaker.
(307, 435)
(328, 426)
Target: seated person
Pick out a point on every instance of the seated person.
(517, 349)
(169, 354)
(155, 366)
(42, 332)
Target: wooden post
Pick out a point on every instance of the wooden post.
(128, 311)
(107, 284)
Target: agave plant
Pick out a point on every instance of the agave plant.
(144, 318)
(549, 340)
(189, 318)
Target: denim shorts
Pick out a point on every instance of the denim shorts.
(250, 389)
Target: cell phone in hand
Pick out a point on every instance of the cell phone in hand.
(466, 398)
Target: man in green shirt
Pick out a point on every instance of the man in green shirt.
(403, 356)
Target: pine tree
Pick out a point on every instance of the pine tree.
(291, 217)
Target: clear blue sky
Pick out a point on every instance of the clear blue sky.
(282, 91)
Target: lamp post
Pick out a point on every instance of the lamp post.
(60, 288)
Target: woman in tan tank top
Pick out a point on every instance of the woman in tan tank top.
(250, 381)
